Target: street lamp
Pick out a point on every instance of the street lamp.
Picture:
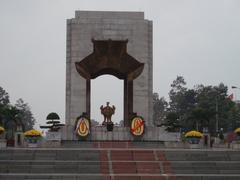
(217, 117)
(217, 108)
(236, 101)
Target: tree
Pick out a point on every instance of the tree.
(53, 120)
(176, 95)
(4, 105)
(13, 115)
(182, 101)
(213, 102)
(198, 118)
(234, 117)
(203, 106)
(4, 97)
(172, 122)
(25, 114)
(159, 109)
(9, 113)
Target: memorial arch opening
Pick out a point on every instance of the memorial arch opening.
(106, 88)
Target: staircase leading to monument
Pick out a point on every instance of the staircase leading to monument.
(118, 161)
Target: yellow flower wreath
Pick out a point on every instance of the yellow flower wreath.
(193, 134)
(32, 133)
(237, 131)
(1, 129)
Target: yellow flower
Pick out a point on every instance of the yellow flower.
(1, 129)
(195, 134)
(237, 131)
(32, 133)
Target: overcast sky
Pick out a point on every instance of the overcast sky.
(198, 39)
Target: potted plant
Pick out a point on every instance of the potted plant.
(32, 137)
(193, 137)
(2, 140)
(1, 130)
(237, 132)
(53, 122)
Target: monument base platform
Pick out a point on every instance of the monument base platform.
(100, 133)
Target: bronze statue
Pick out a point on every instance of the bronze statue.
(107, 112)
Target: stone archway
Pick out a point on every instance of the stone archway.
(111, 57)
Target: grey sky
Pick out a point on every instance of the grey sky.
(199, 40)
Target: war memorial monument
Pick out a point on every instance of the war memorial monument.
(117, 44)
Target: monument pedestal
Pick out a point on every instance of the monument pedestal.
(100, 133)
(53, 140)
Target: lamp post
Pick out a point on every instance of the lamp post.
(217, 111)
(237, 102)
(217, 117)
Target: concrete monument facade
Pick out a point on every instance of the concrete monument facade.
(84, 32)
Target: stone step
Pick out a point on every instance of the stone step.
(51, 177)
(118, 177)
(50, 169)
(49, 155)
(122, 167)
(202, 155)
(112, 144)
(118, 163)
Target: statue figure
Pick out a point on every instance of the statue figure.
(107, 112)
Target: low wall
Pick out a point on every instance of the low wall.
(182, 145)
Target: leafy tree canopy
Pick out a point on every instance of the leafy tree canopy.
(53, 116)
(196, 108)
(4, 97)
(159, 109)
(25, 114)
(53, 122)
(19, 113)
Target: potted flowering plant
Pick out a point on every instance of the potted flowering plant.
(193, 137)
(237, 132)
(2, 140)
(1, 130)
(32, 137)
